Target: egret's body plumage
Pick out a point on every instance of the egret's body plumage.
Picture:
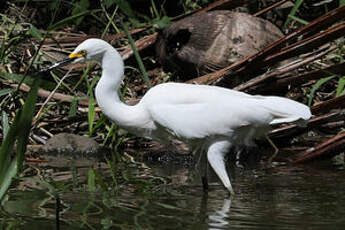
(206, 117)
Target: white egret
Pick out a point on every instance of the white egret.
(207, 118)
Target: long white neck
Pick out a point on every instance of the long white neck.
(107, 90)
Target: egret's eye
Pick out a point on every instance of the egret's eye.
(79, 54)
(83, 53)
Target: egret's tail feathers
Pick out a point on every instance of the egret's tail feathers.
(297, 120)
(285, 110)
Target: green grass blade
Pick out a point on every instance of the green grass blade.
(8, 177)
(25, 122)
(6, 91)
(293, 12)
(316, 86)
(72, 19)
(91, 115)
(137, 56)
(154, 8)
(340, 88)
(20, 130)
(6, 148)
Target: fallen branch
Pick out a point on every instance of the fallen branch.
(140, 45)
(279, 71)
(297, 80)
(221, 4)
(45, 94)
(257, 14)
(330, 148)
(334, 103)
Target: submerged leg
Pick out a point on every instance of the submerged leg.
(203, 169)
(276, 150)
(215, 156)
(204, 177)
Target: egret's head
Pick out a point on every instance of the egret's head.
(90, 50)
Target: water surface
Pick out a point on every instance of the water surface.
(283, 197)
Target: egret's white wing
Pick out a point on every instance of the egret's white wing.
(195, 111)
(200, 120)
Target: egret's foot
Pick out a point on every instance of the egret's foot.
(204, 184)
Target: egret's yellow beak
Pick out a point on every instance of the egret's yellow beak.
(75, 55)
(71, 58)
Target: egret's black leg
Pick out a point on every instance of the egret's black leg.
(204, 183)
(204, 178)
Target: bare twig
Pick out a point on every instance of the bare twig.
(269, 8)
(38, 114)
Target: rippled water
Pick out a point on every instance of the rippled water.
(283, 197)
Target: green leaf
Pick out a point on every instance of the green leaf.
(6, 91)
(163, 22)
(34, 32)
(340, 88)
(316, 86)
